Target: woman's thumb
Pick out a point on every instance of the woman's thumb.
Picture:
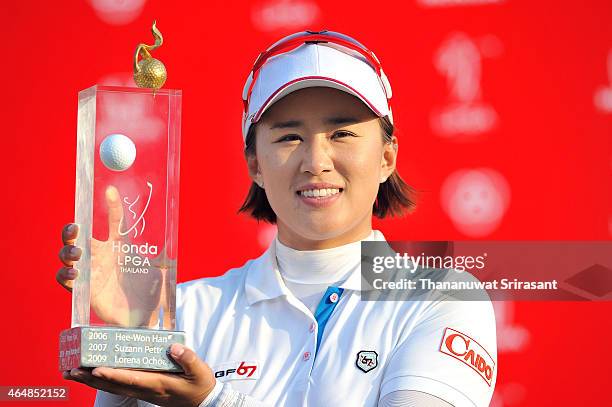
(187, 359)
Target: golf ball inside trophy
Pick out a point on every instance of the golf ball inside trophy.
(117, 152)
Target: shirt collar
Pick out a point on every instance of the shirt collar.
(264, 281)
(355, 281)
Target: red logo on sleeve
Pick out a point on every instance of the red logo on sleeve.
(468, 351)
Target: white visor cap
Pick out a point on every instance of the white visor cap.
(311, 65)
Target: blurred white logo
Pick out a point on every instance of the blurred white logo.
(117, 12)
(118, 79)
(459, 60)
(284, 14)
(265, 234)
(509, 394)
(510, 336)
(121, 114)
(603, 95)
(447, 3)
(475, 200)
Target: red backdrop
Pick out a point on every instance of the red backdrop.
(517, 92)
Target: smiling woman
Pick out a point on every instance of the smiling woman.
(327, 163)
(290, 327)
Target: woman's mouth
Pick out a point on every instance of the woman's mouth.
(319, 197)
(319, 193)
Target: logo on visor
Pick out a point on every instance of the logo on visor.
(367, 360)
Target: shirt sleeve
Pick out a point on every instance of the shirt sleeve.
(213, 396)
(450, 353)
(224, 396)
(411, 398)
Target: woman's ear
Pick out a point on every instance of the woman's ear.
(254, 173)
(389, 159)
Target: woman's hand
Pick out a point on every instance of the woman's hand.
(117, 298)
(68, 255)
(187, 389)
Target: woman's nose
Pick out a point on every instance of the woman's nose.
(317, 157)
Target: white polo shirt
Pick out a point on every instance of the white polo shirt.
(248, 317)
(256, 335)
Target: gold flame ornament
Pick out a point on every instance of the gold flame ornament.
(149, 72)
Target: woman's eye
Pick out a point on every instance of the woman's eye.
(288, 137)
(342, 134)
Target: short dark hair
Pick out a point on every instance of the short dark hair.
(394, 198)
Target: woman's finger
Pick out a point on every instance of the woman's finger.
(115, 212)
(65, 277)
(85, 377)
(70, 233)
(69, 254)
(136, 379)
(190, 362)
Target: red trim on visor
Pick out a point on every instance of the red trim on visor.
(311, 38)
(263, 57)
(259, 112)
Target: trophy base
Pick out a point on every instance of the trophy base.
(128, 348)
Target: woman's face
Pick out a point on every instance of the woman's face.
(321, 158)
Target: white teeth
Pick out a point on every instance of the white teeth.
(319, 193)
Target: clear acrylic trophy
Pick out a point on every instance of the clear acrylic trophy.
(127, 195)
